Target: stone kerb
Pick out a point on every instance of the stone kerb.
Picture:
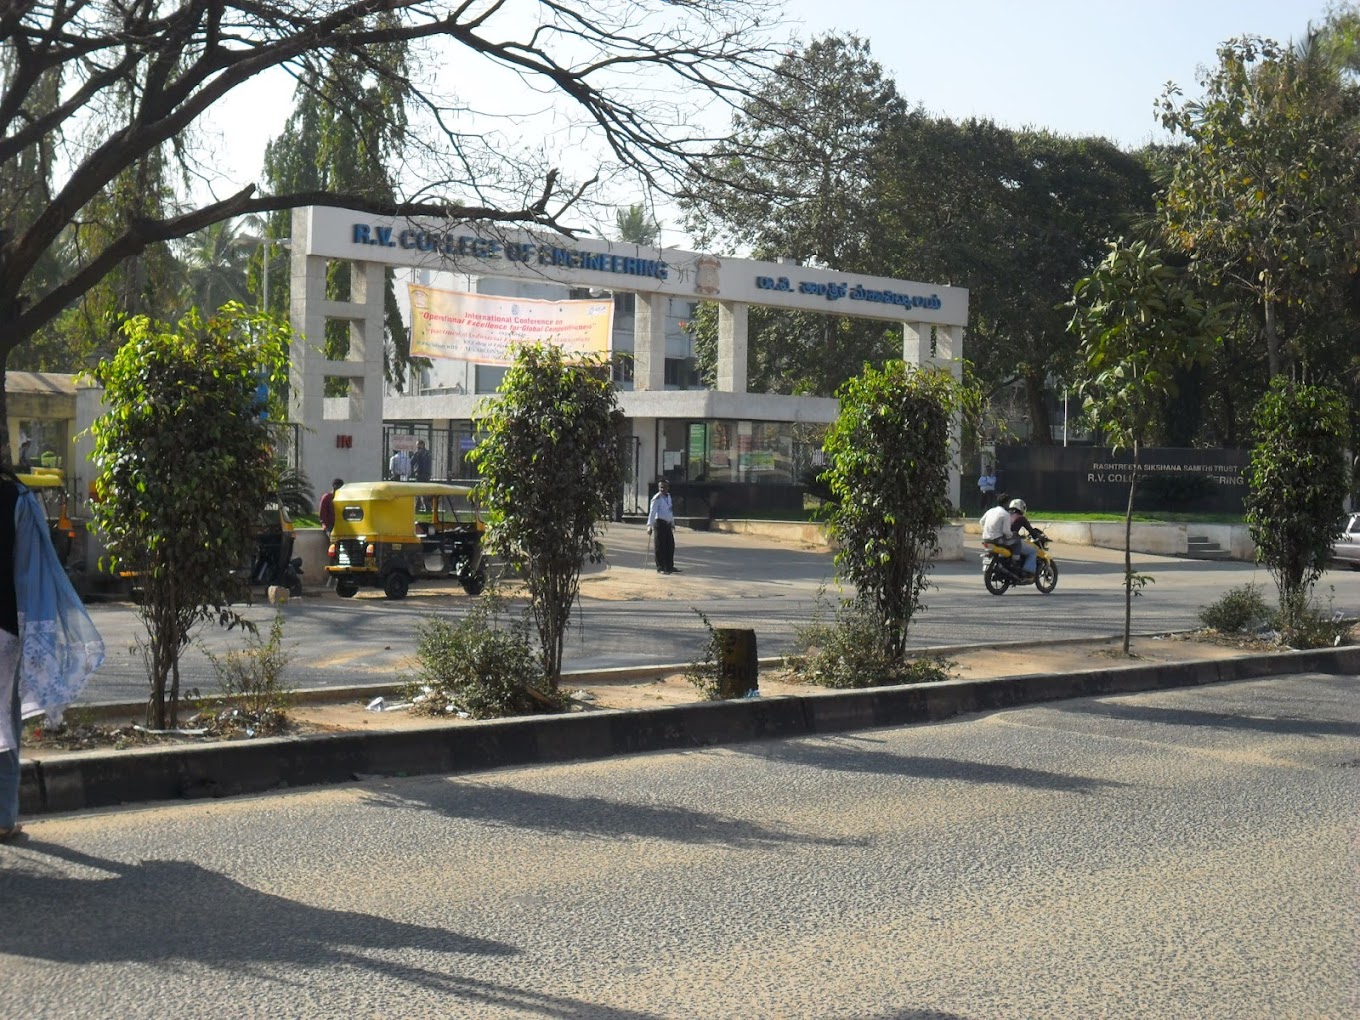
(100, 779)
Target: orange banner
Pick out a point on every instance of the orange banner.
(482, 329)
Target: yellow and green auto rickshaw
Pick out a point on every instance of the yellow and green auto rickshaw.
(49, 485)
(388, 534)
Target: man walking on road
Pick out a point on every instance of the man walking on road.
(661, 524)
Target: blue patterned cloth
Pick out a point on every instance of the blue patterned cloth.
(59, 648)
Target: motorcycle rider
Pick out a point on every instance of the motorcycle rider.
(996, 522)
(1016, 520)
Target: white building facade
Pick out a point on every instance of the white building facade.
(716, 443)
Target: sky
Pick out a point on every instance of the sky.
(1076, 67)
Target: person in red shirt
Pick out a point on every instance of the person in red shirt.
(326, 508)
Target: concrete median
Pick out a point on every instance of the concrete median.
(97, 779)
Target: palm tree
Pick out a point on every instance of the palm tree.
(636, 226)
(215, 261)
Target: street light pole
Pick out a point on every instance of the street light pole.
(265, 243)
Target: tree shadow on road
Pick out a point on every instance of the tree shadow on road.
(591, 817)
(67, 907)
(1283, 726)
(846, 754)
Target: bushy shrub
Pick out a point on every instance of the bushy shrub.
(1241, 608)
(849, 651)
(251, 680)
(1308, 625)
(481, 667)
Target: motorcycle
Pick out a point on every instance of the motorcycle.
(274, 562)
(1002, 569)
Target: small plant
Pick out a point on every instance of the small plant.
(705, 672)
(251, 681)
(848, 651)
(1240, 609)
(1308, 625)
(479, 667)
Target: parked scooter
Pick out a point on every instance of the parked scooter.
(274, 562)
(1001, 569)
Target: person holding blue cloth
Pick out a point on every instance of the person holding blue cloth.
(49, 647)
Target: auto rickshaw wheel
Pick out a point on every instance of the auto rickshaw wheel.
(475, 584)
(346, 589)
(396, 585)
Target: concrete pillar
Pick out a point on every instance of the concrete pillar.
(349, 444)
(648, 470)
(649, 342)
(732, 327)
(940, 347)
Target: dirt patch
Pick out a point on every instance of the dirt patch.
(663, 690)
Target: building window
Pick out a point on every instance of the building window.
(489, 377)
(683, 373)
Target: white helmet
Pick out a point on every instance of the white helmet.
(1018, 504)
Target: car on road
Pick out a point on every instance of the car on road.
(1346, 549)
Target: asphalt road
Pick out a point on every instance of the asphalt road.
(1179, 855)
(735, 581)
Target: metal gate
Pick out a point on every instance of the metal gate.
(448, 450)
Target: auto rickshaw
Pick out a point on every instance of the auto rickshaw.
(49, 485)
(388, 534)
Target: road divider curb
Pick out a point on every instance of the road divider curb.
(103, 779)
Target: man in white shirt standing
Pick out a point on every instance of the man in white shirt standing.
(661, 523)
(399, 466)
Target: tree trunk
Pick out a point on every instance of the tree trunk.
(1128, 554)
(1272, 339)
(1036, 399)
(738, 668)
(5, 458)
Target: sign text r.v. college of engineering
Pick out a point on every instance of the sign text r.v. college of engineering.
(472, 246)
(491, 250)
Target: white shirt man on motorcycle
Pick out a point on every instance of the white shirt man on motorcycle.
(996, 522)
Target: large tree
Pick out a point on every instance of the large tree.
(1264, 194)
(1138, 323)
(1017, 217)
(1298, 482)
(346, 134)
(888, 456)
(184, 463)
(799, 178)
(119, 82)
(550, 473)
(832, 166)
